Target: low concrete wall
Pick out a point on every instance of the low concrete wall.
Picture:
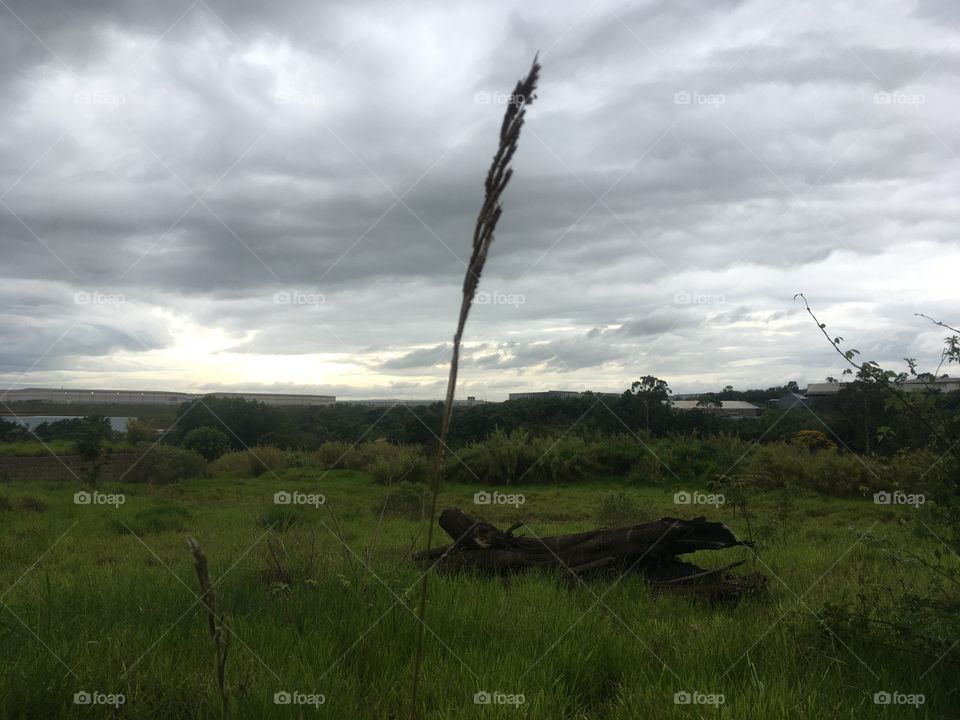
(63, 467)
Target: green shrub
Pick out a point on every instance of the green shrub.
(399, 463)
(5, 504)
(404, 500)
(620, 454)
(233, 464)
(138, 431)
(208, 442)
(265, 458)
(164, 464)
(337, 454)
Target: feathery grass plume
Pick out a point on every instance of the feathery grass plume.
(498, 176)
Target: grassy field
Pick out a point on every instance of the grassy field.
(98, 598)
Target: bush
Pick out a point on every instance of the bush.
(337, 454)
(404, 500)
(138, 431)
(265, 458)
(814, 440)
(164, 464)
(550, 461)
(234, 464)
(504, 459)
(617, 508)
(207, 441)
(391, 464)
(831, 472)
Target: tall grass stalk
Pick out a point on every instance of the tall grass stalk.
(498, 176)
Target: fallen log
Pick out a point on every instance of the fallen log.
(650, 549)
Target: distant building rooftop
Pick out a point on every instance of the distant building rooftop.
(732, 408)
(87, 396)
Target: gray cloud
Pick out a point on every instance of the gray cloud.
(687, 168)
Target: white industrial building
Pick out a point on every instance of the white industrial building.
(726, 408)
(63, 396)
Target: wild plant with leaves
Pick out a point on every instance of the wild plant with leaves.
(921, 620)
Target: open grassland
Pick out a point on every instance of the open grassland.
(99, 598)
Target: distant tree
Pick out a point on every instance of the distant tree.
(208, 442)
(12, 431)
(652, 387)
(94, 431)
(793, 387)
(649, 396)
(138, 431)
(245, 422)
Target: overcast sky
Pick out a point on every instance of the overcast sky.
(244, 195)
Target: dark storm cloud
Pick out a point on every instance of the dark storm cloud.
(687, 167)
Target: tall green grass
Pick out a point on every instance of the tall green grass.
(119, 610)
